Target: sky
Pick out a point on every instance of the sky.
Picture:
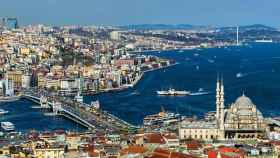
(123, 12)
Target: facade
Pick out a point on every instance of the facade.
(16, 77)
(241, 121)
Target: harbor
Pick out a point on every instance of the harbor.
(129, 105)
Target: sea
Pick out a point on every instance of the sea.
(252, 69)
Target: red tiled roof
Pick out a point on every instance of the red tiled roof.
(163, 153)
(133, 149)
(193, 145)
(155, 138)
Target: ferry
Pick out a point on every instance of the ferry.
(160, 118)
(7, 126)
(173, 92)
(9, 98)
(3, 112)
(264, 41)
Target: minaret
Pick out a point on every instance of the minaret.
(218, 103)
(222, 106)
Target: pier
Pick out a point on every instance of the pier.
(81, 113)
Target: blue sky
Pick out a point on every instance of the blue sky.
(121, 12)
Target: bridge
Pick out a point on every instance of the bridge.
(81, 113)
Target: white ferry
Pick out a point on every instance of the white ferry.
(173, 92)
(7, 126)
(264, 41)
(160, 118)
(2, 111)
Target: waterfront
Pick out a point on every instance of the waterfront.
(259, 65)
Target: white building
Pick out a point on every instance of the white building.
(7, 87)
(26, 81)
(115, 35)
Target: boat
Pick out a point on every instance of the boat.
(79, 98)
(161, 118)
(136, 92)
(2, 111)
(264, 41)
(173, 92)
(181, 51)
(9, 98)
(239, 75)
(7, 126)
(95, 104)
(211, 61)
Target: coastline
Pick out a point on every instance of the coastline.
(178, 49)
(135, 82)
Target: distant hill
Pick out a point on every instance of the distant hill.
(158, 26)
(251, 27)
(188, 26)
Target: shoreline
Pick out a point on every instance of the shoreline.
(179, 49)
(135, 82)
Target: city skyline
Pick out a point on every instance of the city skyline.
(110, 12)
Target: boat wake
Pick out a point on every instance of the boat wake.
(199, 93)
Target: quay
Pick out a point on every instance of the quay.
(81, 113)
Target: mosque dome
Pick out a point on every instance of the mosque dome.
(243, 114)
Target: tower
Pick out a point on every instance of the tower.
(218, 102)
(222, 106)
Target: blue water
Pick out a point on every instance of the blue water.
(27, 118)
(259, 64)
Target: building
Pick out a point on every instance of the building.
(241, 121)
(6, 87)
(115, 35)
(16, 77)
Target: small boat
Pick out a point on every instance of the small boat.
(95, 104)
(211, 61)
(135, 93)
(3, 112)
(181, 51)
(239, 75)
(197, 67)
(7, 126)
(173, 92)
(79, 98)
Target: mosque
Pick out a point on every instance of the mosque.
(241, 121)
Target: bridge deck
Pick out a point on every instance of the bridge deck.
(98, 119)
